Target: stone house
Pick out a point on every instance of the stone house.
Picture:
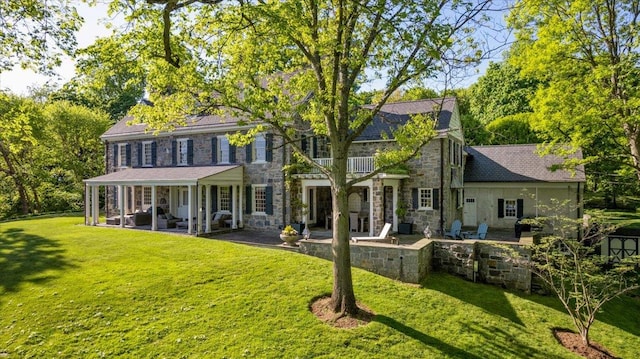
(193, 171)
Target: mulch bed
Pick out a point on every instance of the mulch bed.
(573, 342)
(322, 309)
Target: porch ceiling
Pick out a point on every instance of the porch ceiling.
(170, 176)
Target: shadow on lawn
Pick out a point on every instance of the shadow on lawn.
(621, 312)
(424, 338)
(26, 257)
(487, 297)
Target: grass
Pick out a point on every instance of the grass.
(67, 290)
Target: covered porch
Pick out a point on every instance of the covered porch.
(190, 193)
(372, 202)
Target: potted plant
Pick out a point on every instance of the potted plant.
(403, 227)
(289, 235)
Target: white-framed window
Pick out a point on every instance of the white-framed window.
(146, 197)
(259, 198)
(223, 150)
(182, 146)
(122, 155)
(260, 148)
(147, 155)
(425, 198)
(510, 208)
(224, 198)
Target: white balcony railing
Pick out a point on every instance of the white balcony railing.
(354, 164)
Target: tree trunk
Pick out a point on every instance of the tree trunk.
(11, 171)
(343, 299)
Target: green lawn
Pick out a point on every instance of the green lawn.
(67, 290)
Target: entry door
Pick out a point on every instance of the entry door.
(470, 212)
(183, 203)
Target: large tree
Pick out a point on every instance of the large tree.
(294, 67)
(586, 54)
(36, 33)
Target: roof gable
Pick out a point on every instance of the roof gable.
(516, 163)
(394, 114)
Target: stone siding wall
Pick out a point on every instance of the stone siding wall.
(268, 173)
(454, 257)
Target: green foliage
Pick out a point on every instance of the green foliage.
(502, 91)
(76, 291)
(569, 263)
(36, 33)
(512, 129)
(590, 95)
(46, 151)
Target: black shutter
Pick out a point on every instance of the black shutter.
(249, 152)
(154, 151)
(500, 208)
(269, 145)
(414, 198)
(303, 144)
(314, 147)
(232, 154)
(269, 200)
(248, 201)
(174, 153)
(214, 150)
(520, 208)
(436, 198)
(115, 155)
(214, 199)
(128, 149)
(190, 152)
(139, 154)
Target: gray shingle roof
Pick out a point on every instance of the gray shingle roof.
(390, 116)
(393, 114)
(516, 163)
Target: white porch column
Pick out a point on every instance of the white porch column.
(199, 209)
(133, 199)
(87, 204)
(207, 214)
(240, 192)
(122, 204)
(95, 206)
(234, 209)
(154, 216)
(125, 200)
(394, 186)
(190, 211)
(370, 188)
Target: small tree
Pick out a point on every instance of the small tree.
(571, 268)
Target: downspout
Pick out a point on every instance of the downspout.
(441, 225)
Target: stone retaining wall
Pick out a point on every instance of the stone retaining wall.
(498, 263)
(409, 264)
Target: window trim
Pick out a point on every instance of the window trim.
(144, 154)
(143, 201)
(420, 191)
(220, 141)
(515, 208)
(254, 198)
(122, 155)
(263, 138)
(179, 154)
(219, 199)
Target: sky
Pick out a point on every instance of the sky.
(19, 81)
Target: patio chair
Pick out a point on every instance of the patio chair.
(481, 233)
(454, 233)
(381, 237)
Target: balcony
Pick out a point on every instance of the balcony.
(355, 165)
